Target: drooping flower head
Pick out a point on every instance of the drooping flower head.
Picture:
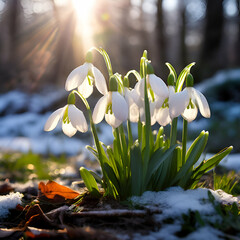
(112, 105)
(196, 101)
(155, 85)
(84, 77)
(157, 93)
(162, 113)
(72, 119)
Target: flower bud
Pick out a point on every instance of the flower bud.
(71, 98)
(189, 80)
(113, 84)
(171, 79)
(144, 54)
(89, 57)
(150, 69)
(126, 82)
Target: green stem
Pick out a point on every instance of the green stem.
(130, 137)
(106, 59)
(140, 133)
(147, 132)
(184, 140)
(173, 134)
(93, 128)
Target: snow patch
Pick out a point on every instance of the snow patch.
(9, 201)
(174, 202)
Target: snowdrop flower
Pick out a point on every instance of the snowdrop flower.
(196, 101)
(112, 105)
(162, 114)
(178, 102)
(155, 85)
(137, 107)
(72, 118)
(173, 106)
(132, 98)
(83, 78)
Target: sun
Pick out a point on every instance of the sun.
(84, 10)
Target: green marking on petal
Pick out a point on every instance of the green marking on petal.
(151, 94)
(90, 73)
(90, 80)
(165, 104)
(109, 109)
(66, 119)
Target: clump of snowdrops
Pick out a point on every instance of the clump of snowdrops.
(153, 161)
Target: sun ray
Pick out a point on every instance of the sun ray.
(84, 11)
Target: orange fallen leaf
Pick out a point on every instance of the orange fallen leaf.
(52, 189)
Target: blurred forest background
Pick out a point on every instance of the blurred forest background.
(41, 41)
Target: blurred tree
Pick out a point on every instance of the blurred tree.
(9, 38)
(183, 49)
(160, 32)
(213, 34)
(238, 40)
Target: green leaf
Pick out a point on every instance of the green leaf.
(159, 139)
(93, 151)
(136, 170)
(97, 178)
(209, 164)
(113, 162)
(194, 144)
(112, 176)
(172, 70)
(158, 158)
(206, 166)
(90, 182)
(194, 155)
(211, 197)
(182, 76)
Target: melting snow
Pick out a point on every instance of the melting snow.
(173, 203)
(9, 201)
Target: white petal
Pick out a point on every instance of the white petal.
(85, 88)
(158, 86)
(100, 109)
(77, 118)
(133, 112)
(77, 76)
(100, 81)
(202, 103)
(136, 98)
(68, 129)
(159, 101)
(171, 90)
(119, 106)
(162, 116)
(128, 96)
(139, 87)
(177, 103)
(190, 114)
(112, 120)
(54, 119)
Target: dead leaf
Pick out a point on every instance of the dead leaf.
(37, 233)
(35, 217)
(5, 187)
(55, 191)
(88, 233)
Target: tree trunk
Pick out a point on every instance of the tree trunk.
(213, 34)
(160, 34)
